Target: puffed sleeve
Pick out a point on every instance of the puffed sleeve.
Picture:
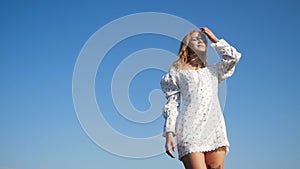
(171, 109)
(230, 57)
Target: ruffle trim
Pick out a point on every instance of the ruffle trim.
(203, 150)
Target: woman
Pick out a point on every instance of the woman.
(199, 127)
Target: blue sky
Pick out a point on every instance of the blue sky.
(41, 41)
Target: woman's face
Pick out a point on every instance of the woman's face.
(197, 42)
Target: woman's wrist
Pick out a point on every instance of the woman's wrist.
(215, 40)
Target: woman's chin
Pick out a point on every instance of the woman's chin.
(201, 49)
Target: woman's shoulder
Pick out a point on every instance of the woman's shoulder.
(173, 69)
(213, 68)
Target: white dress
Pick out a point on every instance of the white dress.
(200, 125)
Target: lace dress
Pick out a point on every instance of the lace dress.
(199, 126)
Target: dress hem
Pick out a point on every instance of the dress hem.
(203, 150)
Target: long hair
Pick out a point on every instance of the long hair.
(184, 51)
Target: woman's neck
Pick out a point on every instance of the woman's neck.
(194, 60)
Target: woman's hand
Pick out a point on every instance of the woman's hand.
(211, 36)
(170, 144)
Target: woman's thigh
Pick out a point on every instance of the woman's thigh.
(215, 159)
(194, 160)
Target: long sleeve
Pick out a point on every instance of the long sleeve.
(230, 57)
(171, 108)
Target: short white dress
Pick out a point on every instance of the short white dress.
(199, 126)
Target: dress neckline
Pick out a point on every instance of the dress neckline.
(192, 69)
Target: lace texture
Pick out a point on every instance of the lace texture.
(200, 125)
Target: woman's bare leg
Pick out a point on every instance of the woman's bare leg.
(194, 160)
(215, 159)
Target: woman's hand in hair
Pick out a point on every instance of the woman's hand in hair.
(211, 36)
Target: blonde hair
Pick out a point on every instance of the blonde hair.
(184, 51)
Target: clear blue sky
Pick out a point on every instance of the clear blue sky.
(40, 43)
